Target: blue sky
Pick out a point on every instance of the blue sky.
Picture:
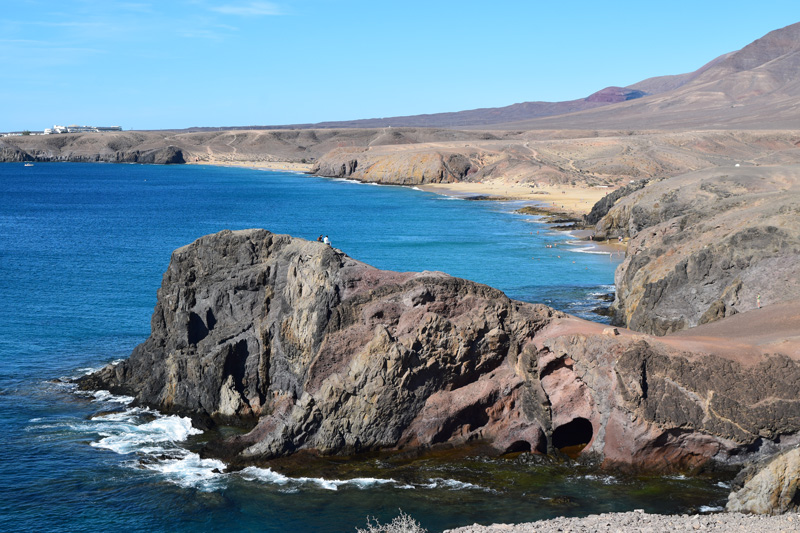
(155, 64)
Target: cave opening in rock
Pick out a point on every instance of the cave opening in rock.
(519, 446)
(573, 436)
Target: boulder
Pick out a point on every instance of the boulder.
(769, 488)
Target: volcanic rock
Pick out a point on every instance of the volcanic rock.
(319, 352)
(706, 245)
(770, 488)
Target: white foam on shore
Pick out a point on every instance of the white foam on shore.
(452, 484)
(123, 435)
(152, 440)
(188, 470)
(604, 479)
(587, 250)
(105, 396)
(711, 509)
(267, 475)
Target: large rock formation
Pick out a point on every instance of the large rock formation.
(323, 353)
(404, 167)
(769, 488)
(706, 245)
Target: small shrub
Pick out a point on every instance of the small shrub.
(402, 523)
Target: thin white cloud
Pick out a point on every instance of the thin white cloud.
(249, 9)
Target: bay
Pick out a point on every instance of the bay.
(82, 251)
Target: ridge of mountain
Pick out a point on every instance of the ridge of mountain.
(756, 87)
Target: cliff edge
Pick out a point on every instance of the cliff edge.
(316, 351)
(706, 245)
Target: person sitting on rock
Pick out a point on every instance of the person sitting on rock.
(326, 240)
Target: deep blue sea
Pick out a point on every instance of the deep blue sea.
(82, 251)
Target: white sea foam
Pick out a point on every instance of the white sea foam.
(605, 480)
(711, 509)
(85, 371)
(346, 180)
(187, 469)
(267, 475)
(452, 484)
(588, 250)
(445, 197)
(123, 433)
(723, 485)
(153, 441)
(105, 396)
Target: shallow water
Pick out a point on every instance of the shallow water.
(82, 251)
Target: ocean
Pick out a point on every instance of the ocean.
(82, 251)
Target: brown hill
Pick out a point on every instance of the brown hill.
(756, 87)
(753, 88)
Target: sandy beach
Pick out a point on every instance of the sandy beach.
(575, 201)
(266, 165)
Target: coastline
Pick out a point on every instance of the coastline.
(639, 521)
(568, 199)
(258, 165)
(571, 200)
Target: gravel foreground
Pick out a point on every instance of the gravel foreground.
(639, 521)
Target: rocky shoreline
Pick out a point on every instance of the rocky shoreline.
(641, 522)
(315, 352)
(319, 353)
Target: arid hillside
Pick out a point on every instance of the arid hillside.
(757, 87)
(414, 155)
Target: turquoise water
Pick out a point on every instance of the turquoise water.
(82, 251)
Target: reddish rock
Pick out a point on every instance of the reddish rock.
(322, 353)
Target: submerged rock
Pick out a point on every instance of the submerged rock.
(317, 351)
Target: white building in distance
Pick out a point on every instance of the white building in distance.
(74, 128)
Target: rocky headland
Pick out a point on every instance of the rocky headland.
(319, 353)
(413, 156)
(316, 353)
(705, 245)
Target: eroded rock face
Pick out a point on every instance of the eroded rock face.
(770, 488)
(412, 167)
(320, 352)
(706, 245)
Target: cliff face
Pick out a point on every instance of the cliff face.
(404, 167)
(125, 147)
(706, 245)
(323, 353)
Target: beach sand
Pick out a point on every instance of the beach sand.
(575, 201)
(266, 165)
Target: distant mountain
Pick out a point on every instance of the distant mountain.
(755, 87)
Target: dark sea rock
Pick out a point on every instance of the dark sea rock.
(319, 352)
